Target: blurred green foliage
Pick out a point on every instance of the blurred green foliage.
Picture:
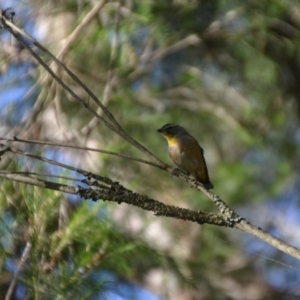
(228, 71)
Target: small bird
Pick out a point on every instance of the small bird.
(186, 153)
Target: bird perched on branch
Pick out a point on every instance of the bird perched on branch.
(186, 153)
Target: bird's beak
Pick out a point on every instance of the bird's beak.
(159, 130)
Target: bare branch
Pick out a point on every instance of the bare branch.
(83, 148)
(268, 238)
(108, 190)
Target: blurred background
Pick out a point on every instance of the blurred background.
(229, 72)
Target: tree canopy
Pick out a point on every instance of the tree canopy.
(227, 71)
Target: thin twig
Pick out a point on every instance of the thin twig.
(149, 60)
(268, 238)
(111, 77)
(41, 158)
(77, 31)
(24, 258)
(34, 175)
(40, 183)
(83, 148)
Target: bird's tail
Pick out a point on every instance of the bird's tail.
(206, 181)
(208, 185)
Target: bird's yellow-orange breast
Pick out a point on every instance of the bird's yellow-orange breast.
(170, 139)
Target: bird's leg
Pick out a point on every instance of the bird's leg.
(196, 182)
(177, 171)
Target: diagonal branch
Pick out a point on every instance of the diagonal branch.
(108, 190)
